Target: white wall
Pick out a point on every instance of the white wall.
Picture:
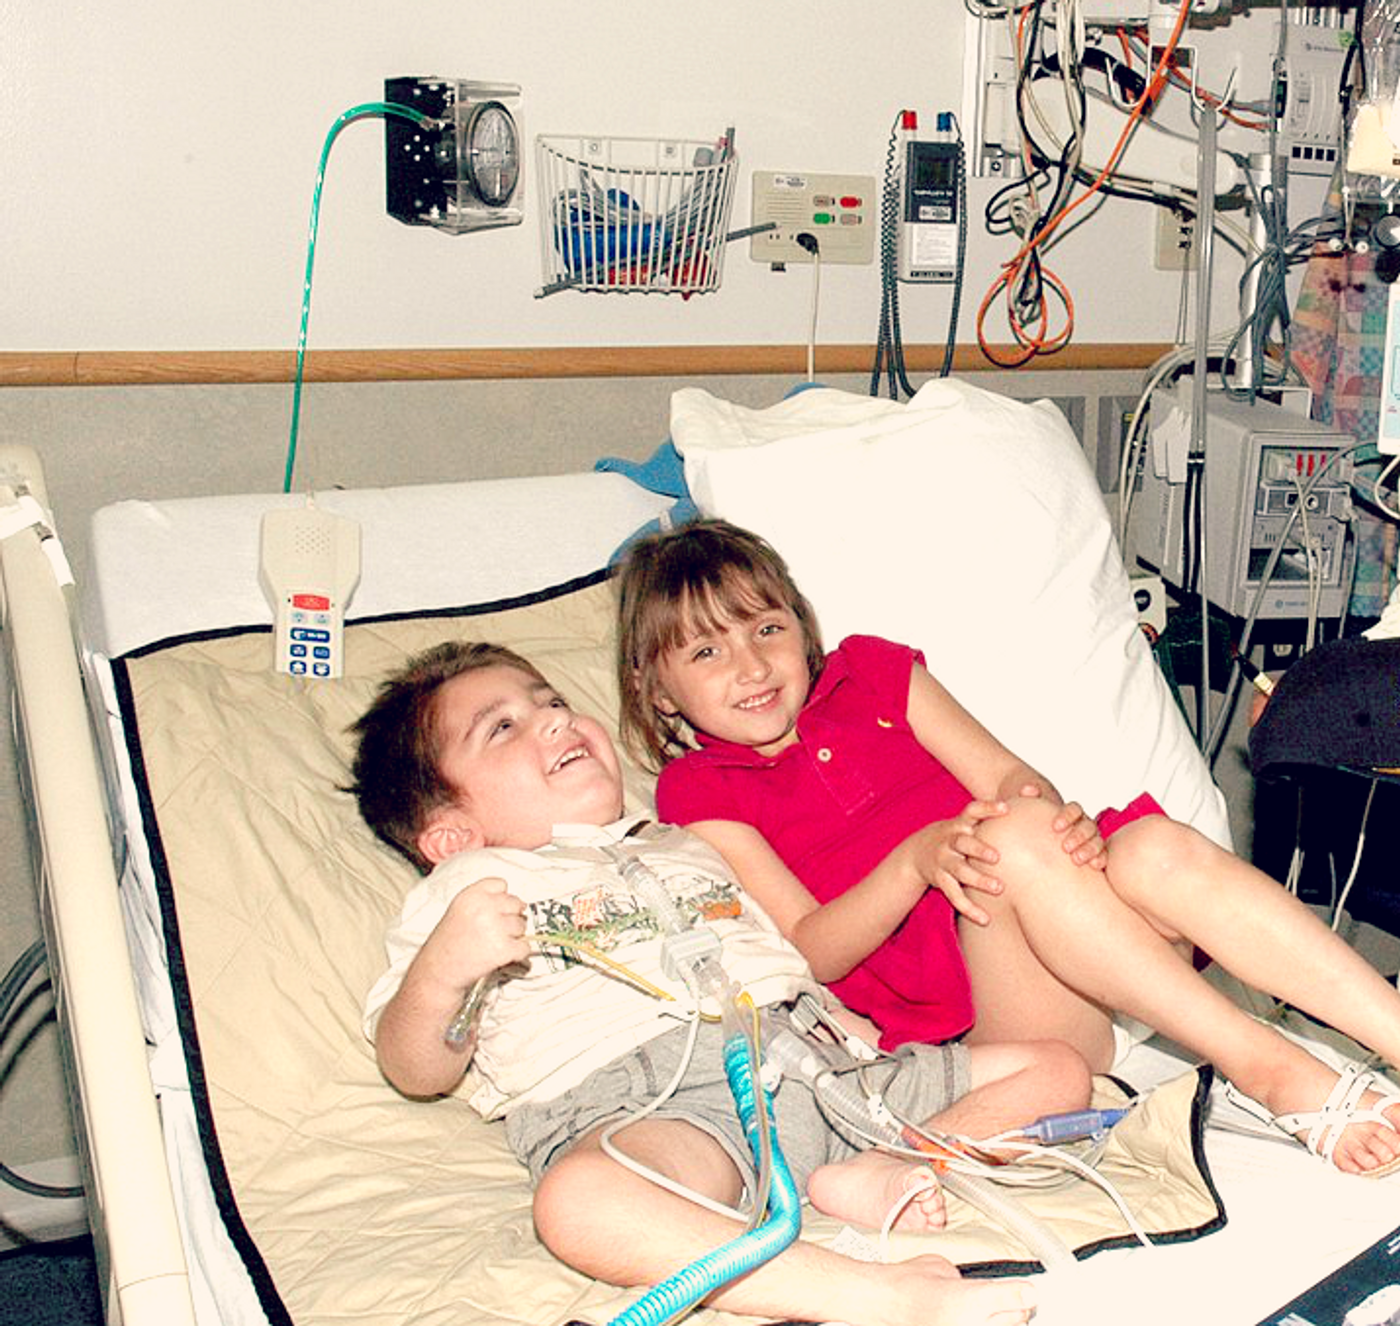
(158, 159)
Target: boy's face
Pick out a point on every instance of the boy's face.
(744, 681)
(521, 762)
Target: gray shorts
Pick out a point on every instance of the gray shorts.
(916, 1082)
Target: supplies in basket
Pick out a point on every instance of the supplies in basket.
(633, 214)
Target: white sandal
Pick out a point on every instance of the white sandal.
(1320, 1130)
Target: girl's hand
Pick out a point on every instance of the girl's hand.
(1079, 833)
(1079, 836)
(950, 857)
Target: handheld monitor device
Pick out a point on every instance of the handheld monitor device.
(309, 565)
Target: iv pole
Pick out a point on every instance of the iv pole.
(1196, 456)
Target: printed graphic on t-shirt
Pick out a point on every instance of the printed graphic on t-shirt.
(607, 916)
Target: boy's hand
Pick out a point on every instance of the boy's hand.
(482, 930)
(951, 858)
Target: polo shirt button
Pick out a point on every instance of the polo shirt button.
(824, 755)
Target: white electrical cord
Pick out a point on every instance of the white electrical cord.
(1011, 1174)
(1215, 738)
(1314, 571)
(605, 1141)
(1386, 472)
(897, 1209)
(1340, 906)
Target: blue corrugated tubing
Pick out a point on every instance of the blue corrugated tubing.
(784, 1222)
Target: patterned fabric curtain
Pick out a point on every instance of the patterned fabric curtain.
(1338, 345)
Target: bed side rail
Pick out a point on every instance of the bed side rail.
(130, 1204)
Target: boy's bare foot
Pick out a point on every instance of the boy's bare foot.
(866, 1188)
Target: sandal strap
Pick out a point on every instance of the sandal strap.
(1322, 1128)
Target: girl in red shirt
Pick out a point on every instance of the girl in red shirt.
(925, 871)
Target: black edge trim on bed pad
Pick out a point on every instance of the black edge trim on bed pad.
(1205, 1075)
(222, 1186)
(469, 610)
(224, 1197)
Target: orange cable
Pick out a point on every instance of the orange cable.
(1011, 268)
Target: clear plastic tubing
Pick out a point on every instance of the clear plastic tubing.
(688, 1286)
(788, 1053)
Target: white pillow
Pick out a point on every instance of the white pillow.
(968, 525)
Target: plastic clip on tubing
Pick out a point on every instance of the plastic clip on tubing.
(688, 1286)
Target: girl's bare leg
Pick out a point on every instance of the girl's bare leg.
(613, 1225)
(1066, 943)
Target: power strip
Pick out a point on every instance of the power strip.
(309, 566)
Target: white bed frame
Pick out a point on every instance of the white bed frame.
(132, 1212)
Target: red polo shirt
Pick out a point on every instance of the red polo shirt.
(833, 805)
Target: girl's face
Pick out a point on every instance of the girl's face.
(745, 680)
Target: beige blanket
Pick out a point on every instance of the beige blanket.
(364, 1205)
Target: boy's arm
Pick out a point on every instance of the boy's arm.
(482, 930)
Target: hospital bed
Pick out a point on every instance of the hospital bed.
(213, 908)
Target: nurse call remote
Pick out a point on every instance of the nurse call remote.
(309, 566)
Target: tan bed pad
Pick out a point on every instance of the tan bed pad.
(349, 1201)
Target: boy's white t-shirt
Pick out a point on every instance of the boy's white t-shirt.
(549, 1024)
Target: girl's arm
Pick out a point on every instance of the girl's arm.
(838, 935)
(988, 769)
(482, 930)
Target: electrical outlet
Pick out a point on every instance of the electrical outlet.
(1176, 248)
(839, 211)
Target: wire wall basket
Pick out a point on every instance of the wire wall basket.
(634, 214)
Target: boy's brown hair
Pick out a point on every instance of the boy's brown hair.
(676, 583)
(397, 782)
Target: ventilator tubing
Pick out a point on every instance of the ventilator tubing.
(750, 1250)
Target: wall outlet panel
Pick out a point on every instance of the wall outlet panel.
(841, 211)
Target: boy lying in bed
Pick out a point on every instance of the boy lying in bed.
(473, 766)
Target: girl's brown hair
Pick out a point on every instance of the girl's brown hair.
(676, 584)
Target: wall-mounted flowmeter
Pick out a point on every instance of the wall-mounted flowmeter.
(465, 169)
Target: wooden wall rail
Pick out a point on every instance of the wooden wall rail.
(109, 368)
